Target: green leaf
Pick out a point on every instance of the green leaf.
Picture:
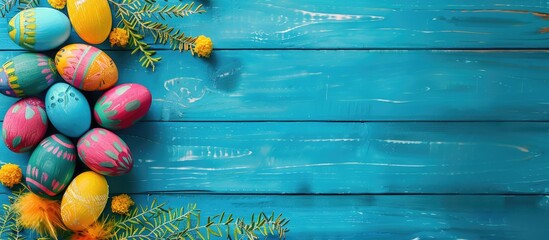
(106, 164)
(117, 146)
(16, 141)
(112, 155)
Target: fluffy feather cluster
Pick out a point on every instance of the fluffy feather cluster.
(40, 214)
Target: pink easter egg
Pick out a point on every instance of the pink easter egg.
(122, 106)
(25, 124)
(104, 152)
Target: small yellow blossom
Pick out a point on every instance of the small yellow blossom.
(119, 37)
(121, 204)
(59, 4)
(203, 46)
(10, 175)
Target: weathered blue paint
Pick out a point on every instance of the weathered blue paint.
(382, 217)
(359, 86)
(275, 24)
(324, 100)
(319, 158)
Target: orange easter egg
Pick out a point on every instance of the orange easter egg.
(91, 19)
(86, 67)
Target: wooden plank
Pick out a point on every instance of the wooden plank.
(385, 217)
(365, 24)
(359, 86)
(312, 158)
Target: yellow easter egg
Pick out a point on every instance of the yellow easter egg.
(84, 200)
(91, 19)
(86, 67)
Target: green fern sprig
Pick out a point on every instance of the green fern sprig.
(161, 12)
(156, 222)
(135, 17)
(7, 5)
(9, 227)
(129, 23)
(26, 4)
(164, 34)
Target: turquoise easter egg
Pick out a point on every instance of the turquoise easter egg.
(104, 152)
(27, 74)
(25, 124)
(51, 166)
(122, 106)
(39, 29)
(68, 110)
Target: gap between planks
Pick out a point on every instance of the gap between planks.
(324, 194)
(331, 49)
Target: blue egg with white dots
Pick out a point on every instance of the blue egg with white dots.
(68, 110)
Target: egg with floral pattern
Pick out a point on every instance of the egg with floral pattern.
(27, 74)
(68, 110)
(84, 200)
(86, 67)
(25, 124)
(51, 166)
(104, 152)
(39, 29)
(122, 106)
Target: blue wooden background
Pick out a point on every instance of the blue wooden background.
(377, 119)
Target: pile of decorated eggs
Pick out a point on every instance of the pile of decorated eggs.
(85, 68)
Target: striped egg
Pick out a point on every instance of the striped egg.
(122, 106)
(39, 29)
(27, 74)
(105, 153)
(86, 67)
(51, 166)
(91, 19)
(25, 124)
(68, 110)
(84, 200)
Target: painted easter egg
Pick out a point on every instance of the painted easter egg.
(27, 74)
(68, 110)
(91, 19)
(51, 166)
(122, 106)
(25, 124)
(86, 67)
(105, 153)
(39, 29)
(84, 200)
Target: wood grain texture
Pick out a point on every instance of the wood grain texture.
(319, 158)
(306, 105)
(384, 217)
(364, 24)
(359, 86)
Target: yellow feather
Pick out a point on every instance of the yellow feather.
(39, 214)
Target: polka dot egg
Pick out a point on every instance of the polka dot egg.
(68, 110)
